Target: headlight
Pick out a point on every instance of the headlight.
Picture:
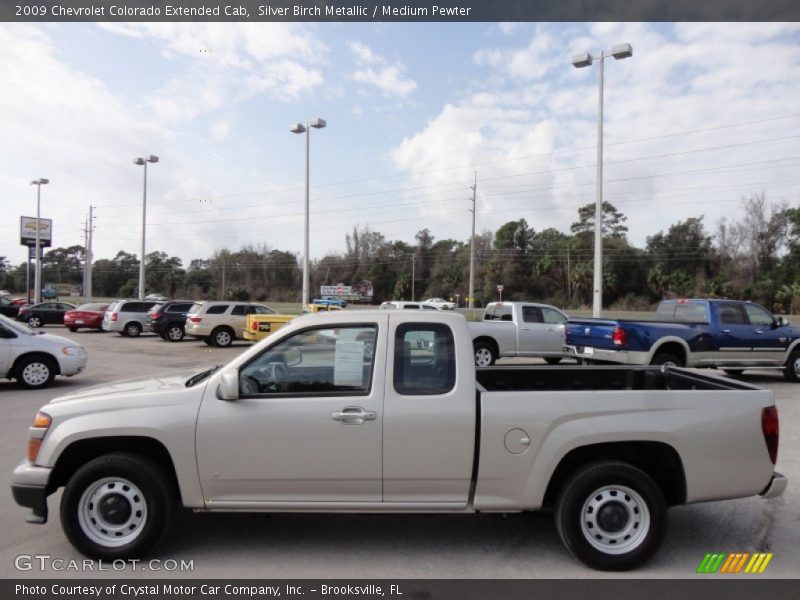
(73, 351)
(36, 434)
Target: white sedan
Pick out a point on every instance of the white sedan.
(34, 358)
(440, 303)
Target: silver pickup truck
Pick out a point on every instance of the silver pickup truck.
(523, 329)
(384, 411)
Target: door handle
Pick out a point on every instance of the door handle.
(758, 331)
(726, 331)
(353, 415)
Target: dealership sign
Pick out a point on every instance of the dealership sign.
(27, 232)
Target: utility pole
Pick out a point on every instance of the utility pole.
(87, 291)
(222, 292)
(472, 246)
(85, 259)
(569, 276)
(413, 274)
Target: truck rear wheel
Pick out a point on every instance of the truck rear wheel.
(611, 515)
(117, 506)
(484, 354)
(791, 371)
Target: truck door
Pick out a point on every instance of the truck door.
(769, 341)
(307, 426)
(429, 414)
(735, 333)
(530, 330)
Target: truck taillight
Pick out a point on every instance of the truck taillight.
(253, 326)
(619, 337)
(114, 316)
(769, 427)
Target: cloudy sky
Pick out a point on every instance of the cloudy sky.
(701, 116)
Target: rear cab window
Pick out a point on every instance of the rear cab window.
(682, 312)
(424, 359)
(498, 312)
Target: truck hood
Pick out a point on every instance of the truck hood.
(144, 386)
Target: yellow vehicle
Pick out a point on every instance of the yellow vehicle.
(260, 326)
(315, 308)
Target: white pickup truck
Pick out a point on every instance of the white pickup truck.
(518, 329)
(384, 411)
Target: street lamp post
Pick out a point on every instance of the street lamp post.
(579, 61)
(37, 281)
(143, 162)
(300, 128)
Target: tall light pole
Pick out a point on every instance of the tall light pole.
(300, 128)
(579, 61)
(37, 280)
(143, 162)
(472, 246)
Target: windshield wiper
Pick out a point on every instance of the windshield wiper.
(198, 377)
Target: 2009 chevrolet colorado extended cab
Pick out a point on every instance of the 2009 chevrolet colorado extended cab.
(383, 411)
(732, 335)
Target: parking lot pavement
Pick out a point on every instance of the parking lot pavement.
(378, 546)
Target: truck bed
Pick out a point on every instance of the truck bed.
(599, 378)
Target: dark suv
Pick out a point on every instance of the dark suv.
(168, 319)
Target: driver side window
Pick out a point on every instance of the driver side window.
(321, 361)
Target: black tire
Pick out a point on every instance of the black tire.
(791, 370)
(552, 360)
(611, 516)
(73, 329)
(132, 329)
(664, 358)
(173, 333)
(485, 354)
(222, 337)
(208, 341)
(35, 372)
(733, 372)
(114, 497)
(34, 321)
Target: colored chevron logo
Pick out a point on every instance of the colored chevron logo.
(734, 563)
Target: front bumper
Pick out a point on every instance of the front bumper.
(29, 485)
(776, 486)
(72, 364)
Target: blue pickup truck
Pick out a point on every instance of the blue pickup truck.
(730, 335)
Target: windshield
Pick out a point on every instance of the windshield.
(15, 326)
(198, 377)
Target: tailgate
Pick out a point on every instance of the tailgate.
(591, 333)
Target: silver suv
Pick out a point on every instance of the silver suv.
(127, 317)
(218, 322)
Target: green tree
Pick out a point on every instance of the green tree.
(613, 221)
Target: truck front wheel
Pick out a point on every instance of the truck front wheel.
(117, 506)
(484, 354)
(611, 515)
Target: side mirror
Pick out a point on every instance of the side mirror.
(228, 388)
(780, 322)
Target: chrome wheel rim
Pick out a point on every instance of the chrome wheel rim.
(35, 322)
(175, 334)
(132, 330)
(615, 519)
(223, 338)
(35, 374)
(112, 512)
(483, 357)
(797, 367)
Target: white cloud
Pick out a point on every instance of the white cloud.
(220, 130)
(534, 143)
(377, 72)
